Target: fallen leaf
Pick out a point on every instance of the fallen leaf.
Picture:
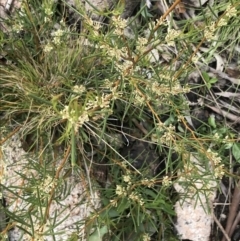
(228, 94)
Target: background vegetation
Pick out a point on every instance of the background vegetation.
(91, 102)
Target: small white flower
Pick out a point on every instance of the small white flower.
(142, 41)
(161, 21)
(172, 34)
(113, 202)
(120, 191)
(216, 136)
(17, 27)
(134, 196)
(65, 112)
(119, 22)
(83, 118)
(166, 181)
(148, 182)
(56, 40)
(222, 22)
(209, 31)
(127, 178)
(79, 89)
(48, 11)
(58, 33)
(148, 3)
(146, 237)
(48, 48)
(231, 11)
(47, 19)
(219, 171)
(195, 59)
(118, 31)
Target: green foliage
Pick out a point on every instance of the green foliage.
(236, 151)
(209, 81)
(78, 94)
(212, 121)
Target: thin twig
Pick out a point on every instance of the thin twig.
(57, 175)
(224, 113)
(237, 220)
(233, 209)
(140, 127)
(10, 135)
(220, 226)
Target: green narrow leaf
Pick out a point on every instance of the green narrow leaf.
(112, 213)
(73, 237)
(205, 76)
(98, 234)
(236, 151)
(3, 218)
(124, 204)
(150, 193)
(211, 121)
(213, 80)
(73, 148)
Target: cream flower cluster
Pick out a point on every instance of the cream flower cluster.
(209, 32)
(57, 38)
(218, 167)
(73, 117)
(96, 107)
(95, 26)
(141, 44)
(119, 22)
(45, 187)
(166, 89)
(122, 65)
(166, 181)
(123, 191)
(231, 11)
(171, 36)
